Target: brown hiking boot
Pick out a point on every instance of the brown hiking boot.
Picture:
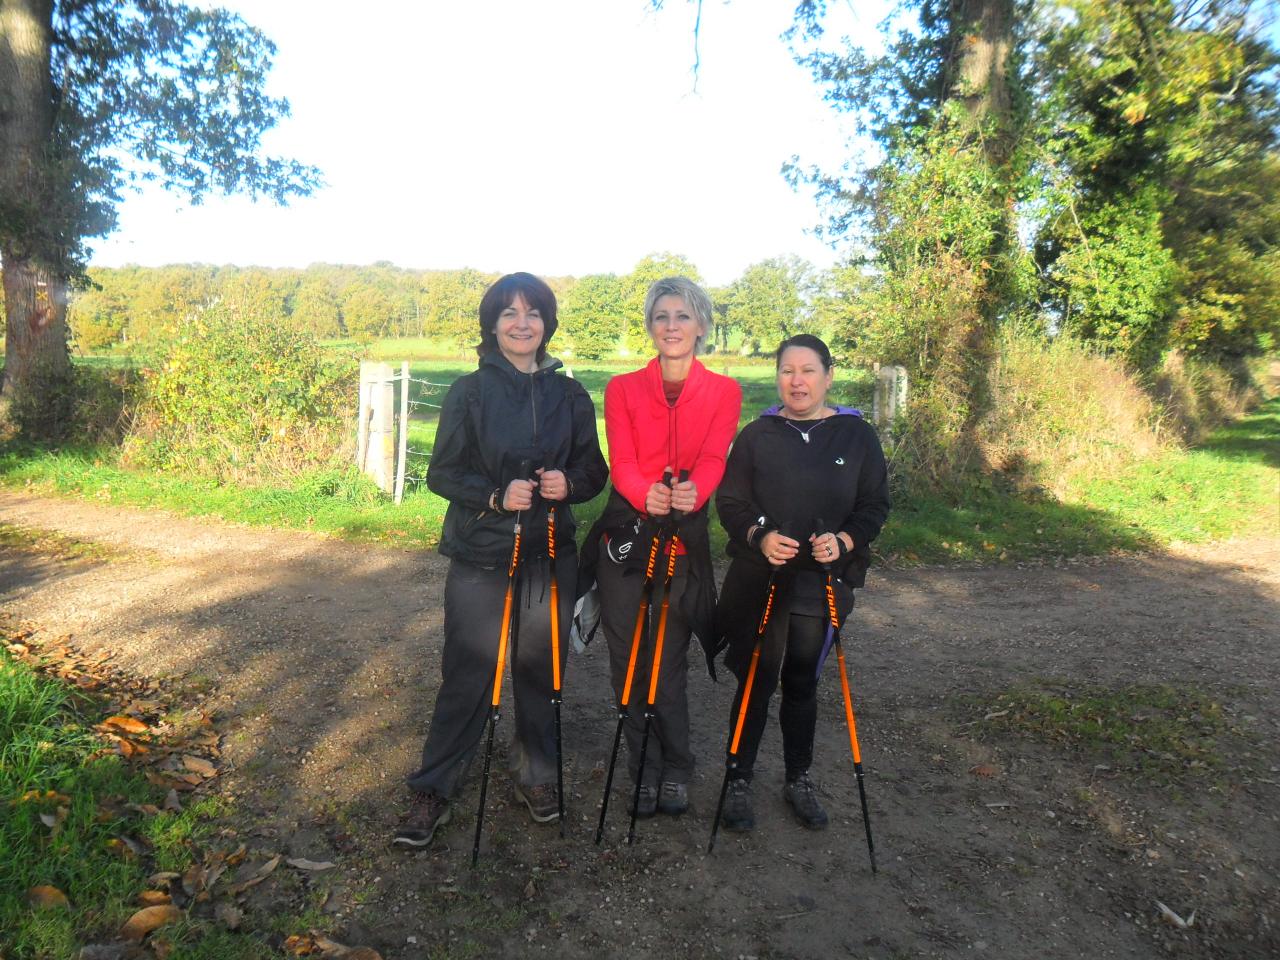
(542, 800)
(427, 812)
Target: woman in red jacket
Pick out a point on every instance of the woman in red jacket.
(672, 415)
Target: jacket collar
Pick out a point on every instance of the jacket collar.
(776, 411)
(496, 360)
(654, 376)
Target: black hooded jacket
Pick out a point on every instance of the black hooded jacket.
(493, 419)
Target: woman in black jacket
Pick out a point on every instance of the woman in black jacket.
(801, 462)
(512, 409)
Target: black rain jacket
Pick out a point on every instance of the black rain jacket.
(493, 419)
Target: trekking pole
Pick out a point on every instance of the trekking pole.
(642, 616)
(672, 543)
(555, 656)
(508, 605)
(833, 631)
(731, 762)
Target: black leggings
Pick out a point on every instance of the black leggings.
(791, 650)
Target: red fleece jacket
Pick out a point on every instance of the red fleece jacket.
(646, 435)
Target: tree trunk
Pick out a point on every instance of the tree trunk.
(983, 31)
(979, 80)
(36, 359)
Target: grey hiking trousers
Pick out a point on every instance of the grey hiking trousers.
(668, 755)
(473, 601)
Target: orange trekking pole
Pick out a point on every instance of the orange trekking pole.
(555, 656)
(731, 762)
(833, 636)
(504, 637)
(642, 617)
(672, 544)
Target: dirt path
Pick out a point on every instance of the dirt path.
(321, 658)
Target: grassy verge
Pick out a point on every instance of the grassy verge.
(1156, 731)
(80, 831)
(1224, 488)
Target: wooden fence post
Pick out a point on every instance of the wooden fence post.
(378, 423)
(890, 395)
(404, 429)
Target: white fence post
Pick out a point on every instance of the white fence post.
(404, 429)
(377, 423)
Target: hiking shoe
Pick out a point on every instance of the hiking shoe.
(673, 798)
(802, 794)
(427, 812)
(647, 805)
(542, 800)
(738, 813)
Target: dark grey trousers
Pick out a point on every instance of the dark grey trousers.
(668, 756)
(473, 602)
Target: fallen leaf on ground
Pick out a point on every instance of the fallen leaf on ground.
(984, 770)
(1174, 919)
(302, 863)
(148, 919)
(125, 724)
(172, 803)
(193, 881)
(46, 896)
(154, 898)
(199, 765)
(300, 946)
(249, 876)
(227, 915)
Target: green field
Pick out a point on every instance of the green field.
(1226, 487)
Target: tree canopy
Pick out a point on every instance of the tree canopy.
(97, 96)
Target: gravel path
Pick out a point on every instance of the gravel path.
(320, 660)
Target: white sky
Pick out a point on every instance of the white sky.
(559, 137)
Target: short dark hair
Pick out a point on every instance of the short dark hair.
(502, 294)
(804, 340)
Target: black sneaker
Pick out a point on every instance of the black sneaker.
(647, 805)
(802, 794)
(673, 798)
(427, 812)
(542, 801)
(738, 813)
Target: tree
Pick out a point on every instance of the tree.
(766, 303)
(1161, 119)
(594, 314)
(97, 96)
(936, 214)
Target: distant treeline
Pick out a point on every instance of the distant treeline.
(599, 313)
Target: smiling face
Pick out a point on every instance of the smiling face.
(675, 328)
(519, 333)
(803, 382)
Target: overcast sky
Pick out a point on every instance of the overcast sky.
(560, 137)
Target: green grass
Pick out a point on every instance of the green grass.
(1157, 731)
(1226, 487)
(51, 765)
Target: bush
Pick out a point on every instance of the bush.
(1197, 396)
(239, 395)
(70, 405)
(1061, 409)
